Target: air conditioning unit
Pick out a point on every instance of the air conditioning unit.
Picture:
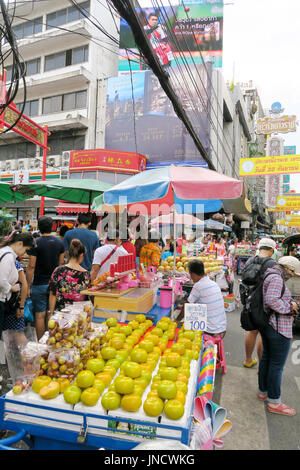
(2, 165)
(54, 161)
(65, 159)
(35, 163)
(22, 164)
(10, 165)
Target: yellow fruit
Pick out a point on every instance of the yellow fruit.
(40, 382)
(50, 391)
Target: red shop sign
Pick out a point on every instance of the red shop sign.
(103, 159)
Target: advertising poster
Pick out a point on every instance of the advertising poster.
(177, 34)
(141, 118)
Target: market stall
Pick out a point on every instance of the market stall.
(243, 251)
(80, 390)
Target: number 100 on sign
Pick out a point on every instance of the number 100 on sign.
(195, 317)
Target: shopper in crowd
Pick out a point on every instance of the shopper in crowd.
(206, 291)
(168, 252)
(68, 281)
(43, 259)
(277, 335)
(88, 238)
(107, 254)
(129, 246)
(15, 321)
(15, 245)
(62, 231)
(150, 253)
(266, 249)
(181, 245)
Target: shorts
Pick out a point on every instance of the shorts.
(40, 298)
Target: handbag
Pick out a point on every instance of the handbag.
(12, 304)
(28, 313)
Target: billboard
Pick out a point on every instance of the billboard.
(177, 34)
(140, 117)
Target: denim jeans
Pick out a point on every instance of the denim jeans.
(275, 352)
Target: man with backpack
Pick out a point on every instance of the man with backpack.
(252, 278)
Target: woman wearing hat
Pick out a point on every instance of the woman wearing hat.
(276, 336)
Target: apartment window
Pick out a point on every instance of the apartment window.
(67, 15)
(52, 104)
(31, 108)
(60, 142)
(55, 104)
(66, 58)
(32, 68)
(19, 150)
(28, 28)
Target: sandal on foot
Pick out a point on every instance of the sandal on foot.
(282, 409)
(250, 364)
(261, 396)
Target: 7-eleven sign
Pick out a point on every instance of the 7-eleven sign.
(21, 177)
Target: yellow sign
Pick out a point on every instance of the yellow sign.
(282, 164)
(290, 203)
(288, 223)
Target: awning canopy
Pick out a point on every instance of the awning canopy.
(65, 208)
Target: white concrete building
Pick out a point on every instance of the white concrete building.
(65, 55)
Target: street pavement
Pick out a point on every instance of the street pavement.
(253, 427)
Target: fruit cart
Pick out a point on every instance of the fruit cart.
(57, 425)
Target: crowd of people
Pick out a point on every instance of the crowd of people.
(61, 265)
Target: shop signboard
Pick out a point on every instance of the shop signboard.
(18, 177)
(141, 118)
(282, 124)
(275, 165)
(105, 159)
(177, 32)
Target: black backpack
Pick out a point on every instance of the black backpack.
(253, 316)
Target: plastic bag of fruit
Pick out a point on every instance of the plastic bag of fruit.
(84, 348)
(81, 317)
(64, 363)
(62, 329)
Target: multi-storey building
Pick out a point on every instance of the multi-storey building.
(65, 56)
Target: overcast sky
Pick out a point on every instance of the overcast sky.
(261, 43)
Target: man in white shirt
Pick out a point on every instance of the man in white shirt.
(206, 291)
(107, 254)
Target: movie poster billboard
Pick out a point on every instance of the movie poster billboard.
(140, 117)
(179, 32)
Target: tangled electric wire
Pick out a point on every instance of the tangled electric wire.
(18, 72)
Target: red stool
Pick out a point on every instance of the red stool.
(221, 360)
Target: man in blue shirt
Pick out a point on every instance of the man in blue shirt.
(88, 238)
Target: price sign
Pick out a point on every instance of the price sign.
(195, 317)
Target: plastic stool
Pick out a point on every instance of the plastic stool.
(221, 360)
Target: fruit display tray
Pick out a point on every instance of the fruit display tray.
(94, 427)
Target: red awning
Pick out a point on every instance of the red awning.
(65, 208)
